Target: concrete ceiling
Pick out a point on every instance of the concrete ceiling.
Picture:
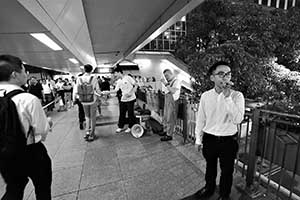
(92, 31)
(16, 25)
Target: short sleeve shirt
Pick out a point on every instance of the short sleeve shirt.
(126, 84)
(176, 84)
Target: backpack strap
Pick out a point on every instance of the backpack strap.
(14, 93)
(172, 82)
(91, 78)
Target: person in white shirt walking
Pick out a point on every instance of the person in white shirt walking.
(221, 109)
(171, 88)
(33, 162)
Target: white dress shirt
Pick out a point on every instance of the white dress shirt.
(47, 88)
(30, 112)
(218, 115)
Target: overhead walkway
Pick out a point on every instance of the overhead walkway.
(118, 166)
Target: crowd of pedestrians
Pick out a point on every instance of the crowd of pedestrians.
(220, 110)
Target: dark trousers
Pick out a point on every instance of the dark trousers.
(34, 164)
(81, 114)
(49, 98)
(222, 148)
(119, 100)
(124, 108)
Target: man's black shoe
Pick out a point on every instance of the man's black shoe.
(162, 133)
(204, 193)
(81, 126)
(166, 138)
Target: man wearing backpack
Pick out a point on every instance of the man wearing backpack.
(81, 115)
(23, 127)
(87, 90)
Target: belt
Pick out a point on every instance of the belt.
(220, 137)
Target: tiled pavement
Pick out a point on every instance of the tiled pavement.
(118, 166)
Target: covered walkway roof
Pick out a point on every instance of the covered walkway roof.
(91, 31)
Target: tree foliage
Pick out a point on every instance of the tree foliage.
(248, 36)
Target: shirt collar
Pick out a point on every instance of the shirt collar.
(9, 87)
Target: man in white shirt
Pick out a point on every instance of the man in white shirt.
(171, 88)
(81, 114)
(34, 163)
(128, 87)
(48, 94)
(221, 109)
(60, 91)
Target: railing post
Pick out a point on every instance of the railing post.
(252, 151)
(185, 120)
(250, 189)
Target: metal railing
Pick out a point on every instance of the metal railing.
(269, 148)
(273, 153)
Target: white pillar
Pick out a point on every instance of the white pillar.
(286, 4)
(277, 3)
(269, 2)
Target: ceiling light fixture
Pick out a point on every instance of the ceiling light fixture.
(73, 60)
(43, 38)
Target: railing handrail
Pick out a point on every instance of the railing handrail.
(281, 113)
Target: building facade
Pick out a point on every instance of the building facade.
(167, 40)
(283, 4)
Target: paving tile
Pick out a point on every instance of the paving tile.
(104, 131)
(66, 180)
(188, 178)
(167, 159)
(149, 138)
(100, 156)
(158, 185)
(112, 191)
(68, 159)
(159, 147)
(52, 149)
(71, 196)
(135, 166)
(137, 150)
(100, 175)
(74, 138)
(125, 139)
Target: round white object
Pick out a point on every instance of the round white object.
(137, 130)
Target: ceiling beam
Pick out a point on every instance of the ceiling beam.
(171, 15)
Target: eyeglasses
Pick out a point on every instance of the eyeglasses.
(223, 74)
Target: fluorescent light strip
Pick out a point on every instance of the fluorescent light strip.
(73, 60)
(43, 38)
